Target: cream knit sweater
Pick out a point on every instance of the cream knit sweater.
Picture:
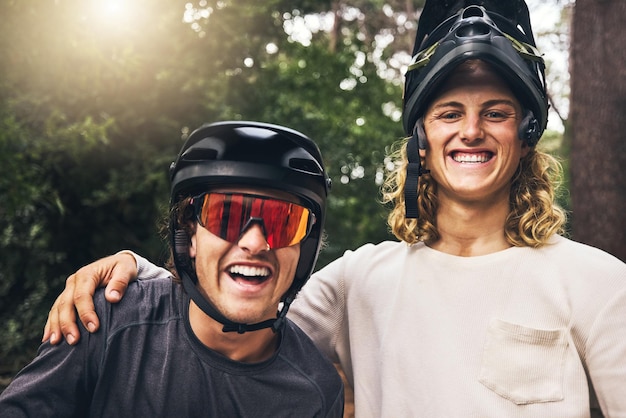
(519, 333)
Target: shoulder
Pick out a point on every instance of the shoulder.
(383, 247)
(369, 254)
(144, 301)
(388, 259)
(582, 257)
(141, 290)
(305, 363)
(302, 354)
(591, 277)
(296, 345)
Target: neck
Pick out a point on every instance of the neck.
(249, 347)
(471, 229)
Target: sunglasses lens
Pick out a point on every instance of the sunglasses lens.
(226, 215)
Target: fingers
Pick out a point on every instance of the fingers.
(48, 329)
(67, 314)
(87, 280)
(124, 271)
(115, 290)
(51, 329)
(62, 318)
(115, 271)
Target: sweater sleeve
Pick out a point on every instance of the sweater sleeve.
(606, 356)
(319, 308)
(147, 270)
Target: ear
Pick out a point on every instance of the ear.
(528, 130)
(420, 133)
(193, 246)
(422, 153)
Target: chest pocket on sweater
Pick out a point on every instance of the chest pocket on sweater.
(524, 365)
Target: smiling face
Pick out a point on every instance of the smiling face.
(244, 281)
(472, 132)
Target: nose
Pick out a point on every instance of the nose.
(471, 128)
(253, 239)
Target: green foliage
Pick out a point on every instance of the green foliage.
(94, 106)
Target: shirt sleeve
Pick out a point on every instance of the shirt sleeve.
(55, 383)
(606, 356)
(146, 270)
(319, 308)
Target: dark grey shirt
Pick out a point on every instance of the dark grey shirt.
(146, 362)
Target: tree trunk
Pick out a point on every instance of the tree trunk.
(598, 120)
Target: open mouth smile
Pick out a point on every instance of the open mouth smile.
(471, 158)
(249, 274)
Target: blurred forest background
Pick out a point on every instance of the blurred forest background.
(97, 96)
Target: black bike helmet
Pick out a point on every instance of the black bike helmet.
(249, 154)
(474, 32)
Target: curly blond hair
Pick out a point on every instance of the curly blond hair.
(533, 218)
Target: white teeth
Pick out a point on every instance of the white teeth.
(249, 271)
(471, 158)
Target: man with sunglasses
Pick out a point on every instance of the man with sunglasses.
(246, 216)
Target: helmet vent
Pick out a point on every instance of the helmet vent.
(470, 31)
(473, 11)
(199, 154)
(305, 165)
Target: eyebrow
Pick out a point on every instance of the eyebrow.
(488, 103)
(501, 101)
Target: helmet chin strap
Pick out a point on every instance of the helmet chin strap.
(414, 170)
(230, 326)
